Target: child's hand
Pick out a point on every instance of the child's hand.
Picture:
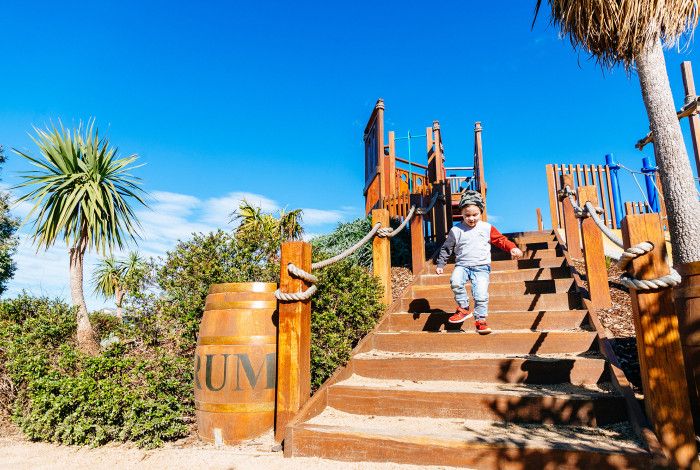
(439, 270)
(516, 253)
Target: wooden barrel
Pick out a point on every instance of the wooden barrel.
(235, 362)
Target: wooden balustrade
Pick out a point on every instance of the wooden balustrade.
(582, 175)
(593, 252)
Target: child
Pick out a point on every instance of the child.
(471, 240)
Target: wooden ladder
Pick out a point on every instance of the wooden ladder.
(536, 393)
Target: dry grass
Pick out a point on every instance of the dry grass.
(618, 31)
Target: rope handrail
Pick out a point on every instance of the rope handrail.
(377, 229)
(670, 280)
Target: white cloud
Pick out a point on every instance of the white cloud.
(321, 217)
(493, 219)
(170, 217)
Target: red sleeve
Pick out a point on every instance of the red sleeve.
(500, 241)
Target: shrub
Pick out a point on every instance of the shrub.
(123, 394)
(345, 308)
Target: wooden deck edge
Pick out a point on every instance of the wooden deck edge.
(638, 420)
(318, 401)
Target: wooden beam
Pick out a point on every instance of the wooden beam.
(689, 85)
(479, 166)
(381, 167)
(539, 219)
(293, 340)
(659, 347)
(381, 254)
(392, 187)
(687, 302)
(593, 253)
(571, 223)
(417, 237)
(552, 194)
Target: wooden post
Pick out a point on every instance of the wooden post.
(687, 302)
(552, 192)
(689, 85)
(417, 237)
(659, 347)
(594, 253)
(439, 164)
(293, 339)
(381, 167)
(391, 183)
(573, 239)
(381, 254)
(440, 212)
(479, 166)
(539, 220)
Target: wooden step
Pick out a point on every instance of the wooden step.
(504, 342)
(516, 403)
(509, 265)
(482, 367)
(514, 320)
(476, 444)
(536, 274)
(561, 301)
(550, 286)
(545, 245)
(498, 255)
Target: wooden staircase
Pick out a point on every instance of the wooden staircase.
(536, 393)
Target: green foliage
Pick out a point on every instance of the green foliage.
(194, 265)
(345, 308)
(124, 394)
(81, 190)
(348, 233)
(8, 238)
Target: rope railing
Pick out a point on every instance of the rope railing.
(376, 230)
(670, 280)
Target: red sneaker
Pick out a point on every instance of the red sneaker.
(481, 327)
(460, 315)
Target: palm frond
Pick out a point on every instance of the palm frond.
(617, 31)
(81, 190)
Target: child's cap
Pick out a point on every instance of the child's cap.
(471, 198)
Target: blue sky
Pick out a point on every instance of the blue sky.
(268, 100)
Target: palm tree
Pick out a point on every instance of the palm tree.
(631, 33)
(116, 278)
(290, 224)
(80, 193)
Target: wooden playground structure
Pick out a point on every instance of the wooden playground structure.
(546, 389)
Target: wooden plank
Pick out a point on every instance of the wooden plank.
(571, 223)
(687, 302)
(539, 218)
(613, 215)
(552, 195)
(594, 254)
(694, 119)
(381, 254)
(557, 301)
(392, 186)
(293, 340)
(479, 166)
(557, 187)
(578, 177)
(602, 198)
(658, 342)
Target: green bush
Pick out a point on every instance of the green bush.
(124, 394)
(347, 234)
(345, 308)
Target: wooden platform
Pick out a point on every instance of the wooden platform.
(536, 393)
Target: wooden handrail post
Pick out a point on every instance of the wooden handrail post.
(552, 192)
(573, 239)
(594, 253)
(659, 347)
(689, 85)
(539, 219)
(293, 339)
(417, 237)
(687, 302)
(479, 166)
(440, 211)
(381, 254)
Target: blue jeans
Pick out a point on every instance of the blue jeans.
(479, 278)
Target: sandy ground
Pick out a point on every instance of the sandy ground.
(18, 453)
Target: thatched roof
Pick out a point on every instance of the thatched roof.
(616, 31)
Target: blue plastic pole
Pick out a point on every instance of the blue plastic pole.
(617, 197)
(649, 177)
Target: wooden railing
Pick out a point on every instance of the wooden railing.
(582, 175)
